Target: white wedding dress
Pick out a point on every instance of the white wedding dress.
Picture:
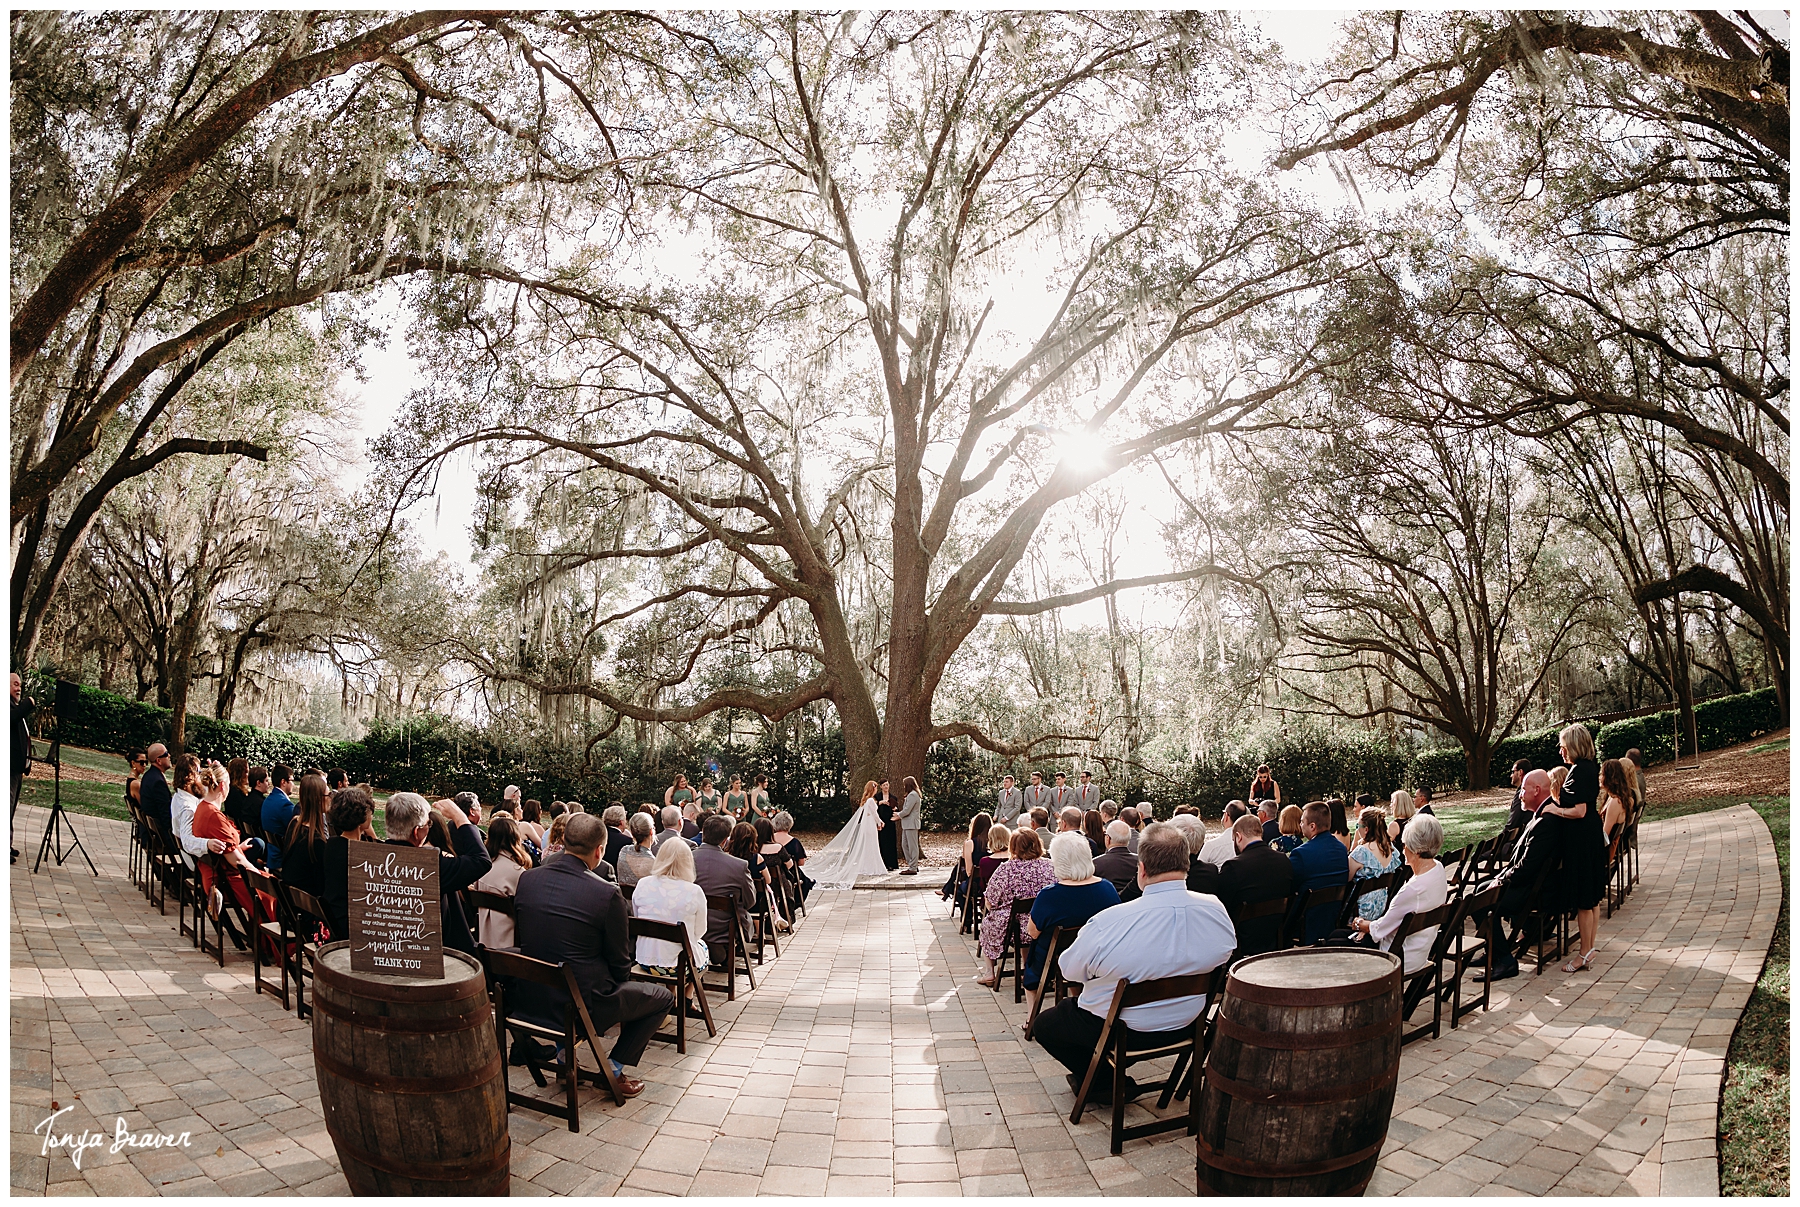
(856, 851)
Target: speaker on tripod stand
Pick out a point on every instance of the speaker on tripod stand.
(68, 707)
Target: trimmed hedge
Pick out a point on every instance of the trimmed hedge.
(1723, 722)
(1308, 763)
(120, 724)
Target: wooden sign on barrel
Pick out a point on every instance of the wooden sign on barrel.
(394, 924)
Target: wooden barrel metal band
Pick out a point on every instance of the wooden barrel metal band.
(357, 985)
(389, 1084)
(405, 1026)
(1244, 1092)
(1265, 1169)
(432, 1171)
(1332, 995)
(1290, 1042)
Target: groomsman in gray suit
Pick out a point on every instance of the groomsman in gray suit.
(1087, 793)
(1011, 801)
(1062, 795)
(1037, 796)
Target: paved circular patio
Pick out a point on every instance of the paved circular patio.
(867, 1062)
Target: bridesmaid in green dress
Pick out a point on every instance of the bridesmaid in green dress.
(709, 796)
(759, 798)
(737, 803)
(679, 793)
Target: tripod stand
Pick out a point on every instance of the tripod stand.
(59, 819)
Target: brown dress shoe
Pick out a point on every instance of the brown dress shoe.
(631, 1087)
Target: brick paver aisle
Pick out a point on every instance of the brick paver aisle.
(866, 1061)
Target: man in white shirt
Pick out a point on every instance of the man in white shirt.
(1220, 847)
(1167, 932)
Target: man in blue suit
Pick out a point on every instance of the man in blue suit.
(277, 812)
(1319, 862)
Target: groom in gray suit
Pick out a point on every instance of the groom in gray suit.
(908, 817)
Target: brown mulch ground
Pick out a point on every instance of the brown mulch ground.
(1732, 771)
(41, 770)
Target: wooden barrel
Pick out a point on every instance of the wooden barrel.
(410, 1078)
(1300, 1081)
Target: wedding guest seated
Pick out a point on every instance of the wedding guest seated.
(690, 820)
(1426, 889)
(1040, 820)
(618, 837)
(721, 875)
(1219, 849)
(1375, 855)
(408, 824)
(1319, 862)
(1109, 811)
(1269, 813)
(973, 847)
(1202, 877)
(671, 827)
(636, 860)
(1023, 876)
(1068, 820)
(1166, 932)
(1095, 829)
(1076, 896)
(1135, 819)
(352, 820)
(569, 916)
(222, 841)
(745, 844)
(553, 841)
(1539, 846)
(304, 841)
(1289, 821)
(1257, 873)
(530, 821)
(669, 894)
(783, 822)
(1117, 864)
(506, 848)
(1340, 822)
(1400, 811)
(999, 846)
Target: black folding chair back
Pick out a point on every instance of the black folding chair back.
(1264, 919)
(506, 968)
(272, 933)
(1359, 889)
(1314, 902)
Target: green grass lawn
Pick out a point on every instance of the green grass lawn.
(1753, 1113)
(1778, 744)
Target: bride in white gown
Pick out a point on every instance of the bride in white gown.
(856, 851)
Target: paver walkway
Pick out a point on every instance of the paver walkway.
(867, 1063)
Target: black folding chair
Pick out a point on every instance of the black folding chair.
(1012, 943)
(1477, 910)
(1115, 1040)
(506, 968)
(737, 946)
(1313, 901)
(1428, 977)
(686, 981)
(273, 932)
(308, 914)
(1060, 939)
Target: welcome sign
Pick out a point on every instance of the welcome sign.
(394, 923)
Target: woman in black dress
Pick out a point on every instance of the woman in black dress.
(888, 837)
(1583, 839)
